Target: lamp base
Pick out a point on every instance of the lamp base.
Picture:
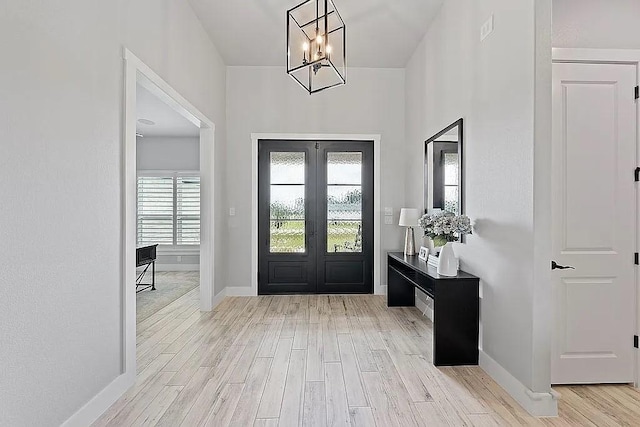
(409, 243)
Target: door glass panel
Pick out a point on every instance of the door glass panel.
(344, 202)
(344, 168)
(451, 182)
(287, 203)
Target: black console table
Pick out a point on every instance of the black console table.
(146, 256)
(456, 306)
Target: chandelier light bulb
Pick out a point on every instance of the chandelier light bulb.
(305, 46)
(319, 39)
(329, 48)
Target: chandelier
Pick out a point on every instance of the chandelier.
(316, 45)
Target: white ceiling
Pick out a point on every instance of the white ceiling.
(380, 33)
(168, 122)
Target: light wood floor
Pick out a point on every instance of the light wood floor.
(322, 360)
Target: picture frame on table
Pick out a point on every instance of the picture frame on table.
(423, 254)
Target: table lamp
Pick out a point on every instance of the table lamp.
(409, 219)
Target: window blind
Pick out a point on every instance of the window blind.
(187, 210)
(155, 210)
(169, 210)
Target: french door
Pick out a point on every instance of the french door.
(315, 217)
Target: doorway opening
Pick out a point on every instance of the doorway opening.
(167, 208)
(138, 79)
(316, 217)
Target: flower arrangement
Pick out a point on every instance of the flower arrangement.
(445, 227)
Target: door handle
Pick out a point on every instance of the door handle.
(312, 229)
(556, 266)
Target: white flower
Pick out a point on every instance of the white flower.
(445, 226)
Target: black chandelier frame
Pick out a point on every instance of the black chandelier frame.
(317, 64)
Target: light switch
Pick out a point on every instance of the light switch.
(388, 211)
(388, 220)
(232, 211)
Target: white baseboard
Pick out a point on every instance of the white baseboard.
(177, 267)
(92, 410)
(240, 291)
(536, 404)
(424, 308)
(381, 290)
(219, 297)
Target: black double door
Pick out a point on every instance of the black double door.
(315, 219)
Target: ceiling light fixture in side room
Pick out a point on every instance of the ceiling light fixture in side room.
(146, 122)
(316, 45)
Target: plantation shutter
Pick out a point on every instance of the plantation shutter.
(187, 210)
(155, 210)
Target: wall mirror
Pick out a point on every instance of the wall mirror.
(443, 170)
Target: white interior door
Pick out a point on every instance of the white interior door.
(594, 204)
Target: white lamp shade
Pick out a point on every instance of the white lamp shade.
(409, 217)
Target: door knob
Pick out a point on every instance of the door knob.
(556, 266)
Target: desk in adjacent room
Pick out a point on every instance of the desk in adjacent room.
(456, 306)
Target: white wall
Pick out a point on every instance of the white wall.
(266, 100)
(492, 86)
(61, 85)
(168, 153)
(598, 24)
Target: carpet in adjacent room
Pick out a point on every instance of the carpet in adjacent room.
(170, 285)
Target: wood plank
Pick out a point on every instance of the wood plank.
(429, 414)
(380, 404)
(158, 406)
(146, 359)
(336, 395)
(372, 335)
(292, 401)
(301, 335)
(361, 417)
(315, 406)
(270, 341)
(137, 405)
(402, 363)
(179, 408)
(330, 341)
(351, 372)
(225, 406)
(241, 369)
(266, 422)
(143, 382)
(339, 313)
(247, 407)
(361, 346)
(428, 375)
(315, 354)
(201, 408)
(274, 389)
(288, 327)
(395, 389)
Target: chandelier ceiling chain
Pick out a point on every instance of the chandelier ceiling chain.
(316, 45)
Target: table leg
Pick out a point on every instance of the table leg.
(153, 276)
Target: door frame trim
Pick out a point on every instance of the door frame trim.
(138, 73)
(614, 56)
(378, 289)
